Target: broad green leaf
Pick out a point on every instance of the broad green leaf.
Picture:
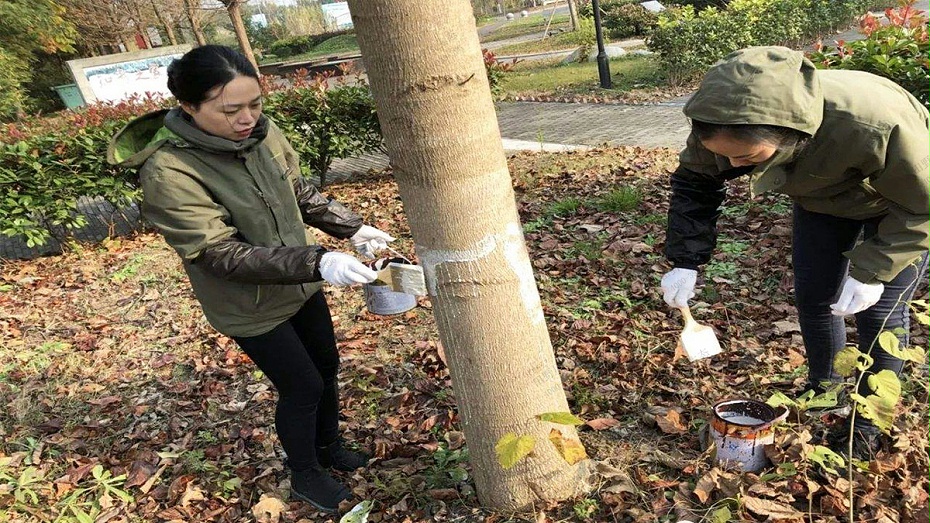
(892, 345)
(826, 458)
(778, 399)
(721, 515)
(562, 418)
(885, 383)
(849, 359)
(888, 341)
(512, 448)
(821, 401)
(570, 449)
(879, 409)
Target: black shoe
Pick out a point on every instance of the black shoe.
(336, 456)
(318, 488)
(865, 444)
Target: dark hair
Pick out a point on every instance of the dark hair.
(204, 68)
(753, 133)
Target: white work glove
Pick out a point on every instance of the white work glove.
(857, 297)
(369, 240)
(342, 269)
(678, 287)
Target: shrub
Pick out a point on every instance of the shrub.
(324, 124)
(897, 51)
(301, 44)
(47, 164)
(496, 70)
(687, 42)
(630, 20)
(13, 74)
(621, 18)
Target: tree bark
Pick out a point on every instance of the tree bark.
(195, 22)
(169, 29)
(434, 103)
(573, 14)
(234, 8)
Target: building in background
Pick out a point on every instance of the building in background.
(337, 15)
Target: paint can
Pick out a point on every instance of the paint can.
(741, 428)
(380, 299)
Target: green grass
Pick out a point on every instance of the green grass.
(564, 207)
(341, 44)
(560, 42)
(535, 23)
(621, 199)
(626, 72)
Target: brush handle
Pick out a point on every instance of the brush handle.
(686, 314)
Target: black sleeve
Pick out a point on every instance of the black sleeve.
(692, 217)
(329, 216)
(241, 262)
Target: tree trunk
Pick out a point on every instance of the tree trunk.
(573, 14)
(169, 29)
(235, 15)
(195, 22)
(434, 104)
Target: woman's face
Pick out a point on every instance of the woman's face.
(230, 111)
(740, 153)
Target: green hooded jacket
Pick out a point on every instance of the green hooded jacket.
(867, 156)
(235, 212)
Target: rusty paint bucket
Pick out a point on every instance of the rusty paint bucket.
(741, 428)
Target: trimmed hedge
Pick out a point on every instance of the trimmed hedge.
(688, 42)
(48, 164)
(301, 44)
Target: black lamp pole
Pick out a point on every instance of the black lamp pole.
(603, 68)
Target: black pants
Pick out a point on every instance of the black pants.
(300, 358)
(819, 271)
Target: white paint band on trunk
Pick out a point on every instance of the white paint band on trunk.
(513, 249)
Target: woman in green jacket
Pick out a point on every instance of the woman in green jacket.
(223, 185)
(851, 149)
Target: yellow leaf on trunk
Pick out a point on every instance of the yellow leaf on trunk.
(570, 449)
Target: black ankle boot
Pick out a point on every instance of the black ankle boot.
(338, 457)
(315, 486)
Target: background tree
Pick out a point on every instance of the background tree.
(167, 11)
(27, 27)
(101, 23)
(573, 14)
(434, 104)
(234, 8)
(195, 15)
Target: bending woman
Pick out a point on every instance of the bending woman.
(850, 148)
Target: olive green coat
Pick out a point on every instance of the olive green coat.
(868, 155)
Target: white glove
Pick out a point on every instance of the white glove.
(857, 297)
(678, 287)
(342, 269)
(369, 240)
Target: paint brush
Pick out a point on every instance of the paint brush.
(697, 341)
(400, 274)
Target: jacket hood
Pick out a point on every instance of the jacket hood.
(760, 85)
(140, 138)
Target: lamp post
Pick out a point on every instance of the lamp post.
(603, 68)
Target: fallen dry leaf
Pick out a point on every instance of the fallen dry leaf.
(268, 509)
(671, 423)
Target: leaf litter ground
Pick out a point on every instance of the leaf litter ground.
(107, 366)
